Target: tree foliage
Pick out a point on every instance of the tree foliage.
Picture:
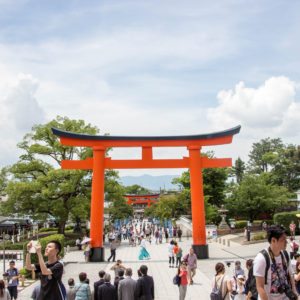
(119, 209)
(168, 207)
(281, 162)
(238, 170)
(39, 186)
(136, 189)
(254, 195)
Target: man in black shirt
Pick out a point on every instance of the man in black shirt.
(51, 272)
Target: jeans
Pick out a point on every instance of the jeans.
(112, 255)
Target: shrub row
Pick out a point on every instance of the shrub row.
(285, 219)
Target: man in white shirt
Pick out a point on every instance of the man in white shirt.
(278, 281)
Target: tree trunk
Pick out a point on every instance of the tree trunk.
(61, 227)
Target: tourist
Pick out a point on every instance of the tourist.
(71, 292)
(179, 234)
(171, 254)
(292, 229)
(238, 270)
(113, 248)
(12, 276)
(86, 251)
(4, 293)
(144, 286)
(36, 292)
(98, 283)
(127, 286)
(167, 234)
(117, 267)
(119, 278)
(221, 281)
(239, 290)
(297, 277)
(250, 284)
(78, 243)
(107, 291)
(156, 235)
(160, 236)
(82, 289)
(51, 272)
(144, 254)
(191, 260)
(183, 274)
(294, 247)
(279, 276)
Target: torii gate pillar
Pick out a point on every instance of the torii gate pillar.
(97, 205)
(197, 202)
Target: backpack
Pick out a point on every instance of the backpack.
(216, 293)
(176, 280)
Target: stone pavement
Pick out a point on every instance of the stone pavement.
(159, 267)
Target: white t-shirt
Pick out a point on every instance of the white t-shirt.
(272, 277)
(170, 250)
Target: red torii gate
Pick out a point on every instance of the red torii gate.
(194, 162)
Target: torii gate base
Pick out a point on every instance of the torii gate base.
(99, 163)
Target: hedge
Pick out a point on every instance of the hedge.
(44, 241)
(241, 224)
(54, 229)
(285, 219)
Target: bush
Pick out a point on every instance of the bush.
(25, 272)
(285, 219)
(241, 224)
(44, 241)
(259, 236)
(16, 246)
(48, 229)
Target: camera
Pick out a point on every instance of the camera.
(288, 291)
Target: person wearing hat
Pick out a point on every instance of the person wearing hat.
(240, 288)
(238, 271)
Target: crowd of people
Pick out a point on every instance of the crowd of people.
(272, 274)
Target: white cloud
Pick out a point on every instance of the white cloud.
(19, 112)
(271, 109)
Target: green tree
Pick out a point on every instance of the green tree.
(136, 189)
(286, 168)
(281, 162)
(263, 154)
(3, 181)
(254, 196)
(168, 207)
(238, 170)
(38, 188)
(119, 209)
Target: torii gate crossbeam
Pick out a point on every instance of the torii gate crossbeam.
(194, 162)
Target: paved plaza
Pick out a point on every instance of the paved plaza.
(159, 267)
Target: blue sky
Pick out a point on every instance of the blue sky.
(151, 68)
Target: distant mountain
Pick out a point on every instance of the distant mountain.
(153, 183)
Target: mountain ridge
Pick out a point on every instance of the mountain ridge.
(153, 183)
